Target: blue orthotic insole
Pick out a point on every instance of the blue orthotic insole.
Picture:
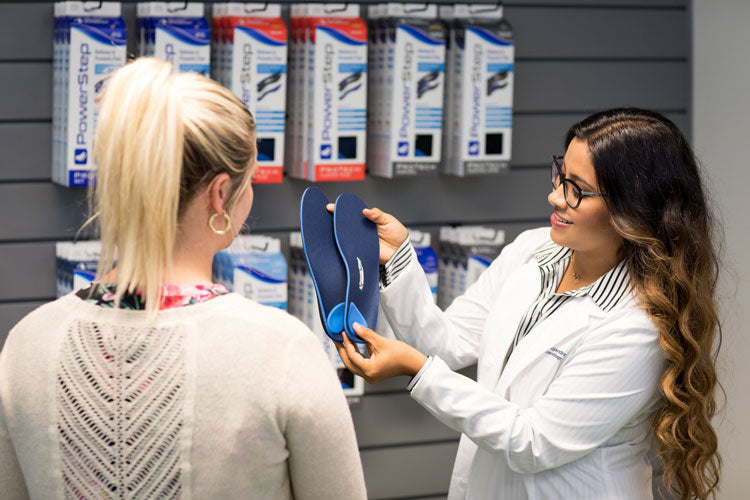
(357, 240)
(326, 267)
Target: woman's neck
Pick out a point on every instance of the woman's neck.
(590, 266)
(191, 265)
(585, 268)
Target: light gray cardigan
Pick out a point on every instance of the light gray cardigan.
(222, 399)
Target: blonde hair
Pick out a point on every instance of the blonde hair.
(161, 137)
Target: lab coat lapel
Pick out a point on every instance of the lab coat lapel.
(522, 288)
(569, 320)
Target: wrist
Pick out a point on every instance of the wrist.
(416, 362)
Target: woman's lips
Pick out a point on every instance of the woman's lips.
(558, 221)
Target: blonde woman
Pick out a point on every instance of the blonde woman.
(155, 382)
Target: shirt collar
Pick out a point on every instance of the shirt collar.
(606, 292)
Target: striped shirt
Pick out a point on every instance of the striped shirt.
(552, 259)
(397, 263)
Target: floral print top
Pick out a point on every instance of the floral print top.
(171, 295)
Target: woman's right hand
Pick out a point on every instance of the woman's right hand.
(391, 232)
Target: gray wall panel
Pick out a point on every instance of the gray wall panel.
(26, 90)
(409, 471)
(40, 210)
(589, 86)
(598, 33)
(541, 86)
(537, 136)
(10, 314)
(519, 195)
(30, 22)
(54, 212)
(394, 384)
(398, 384)
(579, 32)
(396, 419)
(28, 271)
(26, 151)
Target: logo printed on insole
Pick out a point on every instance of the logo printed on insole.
(361, 274)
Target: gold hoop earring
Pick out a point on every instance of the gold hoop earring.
(226, 218)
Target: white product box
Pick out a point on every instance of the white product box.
(254, 267)
(176, 32)
(447, 266)
(421, 241)
(89, 44)
(76, 265)
(465, 253)
(253, 48)
(295, 116)
(407, 138)
(480, 246)
(477, 129)
(330, 89)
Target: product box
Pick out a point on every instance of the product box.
(421, 241)
(89, 44)
(477, 126)
(254, 267)
(250, 42)
(330, 89)
(447, 266)
(175, 32)
(76, 265)
(406, 140)
(303, 304)
(479, 247)
(465, 253)
(218, 12)
(295, 115)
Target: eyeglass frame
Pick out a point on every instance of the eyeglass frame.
(581, 192)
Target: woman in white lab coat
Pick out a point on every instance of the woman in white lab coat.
(591, 337)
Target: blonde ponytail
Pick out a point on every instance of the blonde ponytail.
(160, 137)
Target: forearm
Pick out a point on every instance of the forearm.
(410, 309)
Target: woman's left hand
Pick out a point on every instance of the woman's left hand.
(388, 357)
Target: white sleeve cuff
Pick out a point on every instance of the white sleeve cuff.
(418, 376)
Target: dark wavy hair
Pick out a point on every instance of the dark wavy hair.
(658, 204)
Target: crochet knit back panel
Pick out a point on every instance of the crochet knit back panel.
(120, 397)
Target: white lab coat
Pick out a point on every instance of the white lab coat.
(568, 418)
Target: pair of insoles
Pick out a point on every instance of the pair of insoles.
(342, 252)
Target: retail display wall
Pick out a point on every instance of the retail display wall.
(573, 57)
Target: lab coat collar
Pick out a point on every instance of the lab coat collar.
(606, 292)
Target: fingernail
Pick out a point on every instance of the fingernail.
(356, 325)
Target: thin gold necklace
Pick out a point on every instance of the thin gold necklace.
(576, 276)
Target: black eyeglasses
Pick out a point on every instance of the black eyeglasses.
(572, 191)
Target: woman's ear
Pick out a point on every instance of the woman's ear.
(219, 192)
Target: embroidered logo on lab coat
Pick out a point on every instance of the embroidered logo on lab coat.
(556, 353)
